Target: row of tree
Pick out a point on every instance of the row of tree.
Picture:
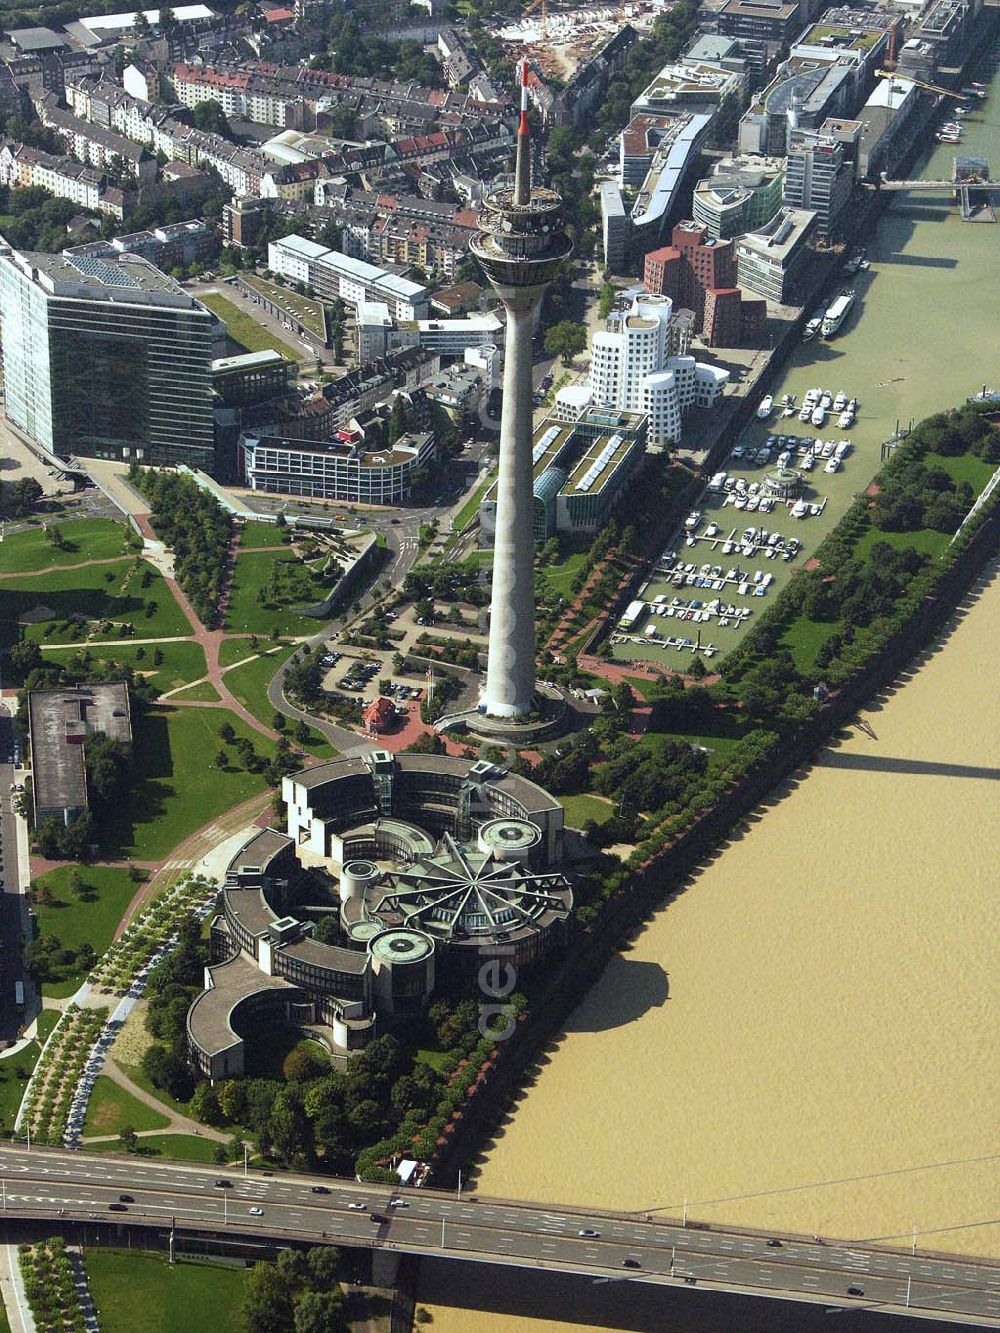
(198, 531)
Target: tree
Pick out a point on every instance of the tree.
(320, 1312)
(222, 759)
(226, 733)
(128, 1138)
(267, 1303)
(209, 116)
(607, 300)
(566, 339)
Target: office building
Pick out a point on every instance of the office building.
(771, 262)
(338, 469)
(252, 377)
(819, 177)
(521, 245)
(330, 274)
(698, 273)
(59, 722)
(583, 465)
(885, 120)
(763, 27)
(740, 194)
(106, 359)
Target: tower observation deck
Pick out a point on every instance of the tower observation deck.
(520, 244)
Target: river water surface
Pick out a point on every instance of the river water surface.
(805, 1037)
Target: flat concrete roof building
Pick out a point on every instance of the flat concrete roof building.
(59, 723)
(770, 261)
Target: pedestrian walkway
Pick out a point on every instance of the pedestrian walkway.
(12, 1288)
(176, 1122)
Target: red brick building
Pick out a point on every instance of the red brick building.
(699, 273)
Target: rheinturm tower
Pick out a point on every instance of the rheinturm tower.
(520, 244)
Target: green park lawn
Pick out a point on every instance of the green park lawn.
(804, 637)
(177, 786)
(249, 684)
(560, 575)
(75, 921)
(136, 1290)
(14, 1073)
(581, 808)
(926, 540)
(244, 329)
(963, 467)
(720, 742)
(111, 1108)
(238, 649)
(260, 534)
(83, 539)
(296, 587)
(182, 662)
(470, 510)
(202, 692)
(70, 593)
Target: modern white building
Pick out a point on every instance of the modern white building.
(339, 469)
(640, 364)
(106, 358)
(379, 333)
(331, 274)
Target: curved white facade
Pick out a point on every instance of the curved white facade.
(632, 369)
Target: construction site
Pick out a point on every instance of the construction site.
(558, 41)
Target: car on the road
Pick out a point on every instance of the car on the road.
(855, 1291)
(357, 1207)
(126, 1198)
(256, 1212)
(589, 1233)
(320, 1189)
(774, 1244)
(117, 1208)
(398, 1203)
(631, 1262)
(223, 1184)
(379, 1217)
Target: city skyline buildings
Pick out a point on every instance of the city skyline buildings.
(520, 245)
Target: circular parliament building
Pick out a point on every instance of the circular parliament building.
(439, 863)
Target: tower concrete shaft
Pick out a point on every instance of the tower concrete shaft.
(520, 244)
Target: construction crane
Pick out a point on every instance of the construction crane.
(545, 15)
(928, 87)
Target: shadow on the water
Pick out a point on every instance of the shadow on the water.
(921, 261)
(629, 989)
(886, 764)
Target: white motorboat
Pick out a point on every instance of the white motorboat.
(693, 519)
(840, 402)
(819, 416)
(826, 402)
(833, 465)
(846, 419)
(764, 410)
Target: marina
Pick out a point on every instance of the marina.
(925, 265)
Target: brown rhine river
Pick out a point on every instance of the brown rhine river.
(805, 1038)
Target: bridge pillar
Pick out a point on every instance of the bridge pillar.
(385, 1266)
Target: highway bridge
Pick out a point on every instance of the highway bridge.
(937, 187)
(51, 1184)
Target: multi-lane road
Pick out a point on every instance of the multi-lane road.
(54, 1184)
(13, 904)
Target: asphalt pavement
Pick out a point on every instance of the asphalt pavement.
(13, 904)
(52, 1183)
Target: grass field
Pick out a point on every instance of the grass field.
(67, 594)
(260, 534)
(297, 587)
(470, 510)
(559, 576)
(244, 329)
(111, 1108)
(135, 1290)
(137, 1075)
(581, 808)
(249, 684)
(84, 539)
(75, 921)
(177, 786)
(14, 1073)
(926, 541)
(238, 648)
(804, 637)
(204, 692)
(963, 467)
(308, 311)
(182, 662)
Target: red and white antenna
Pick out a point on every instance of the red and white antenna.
(522, 171)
